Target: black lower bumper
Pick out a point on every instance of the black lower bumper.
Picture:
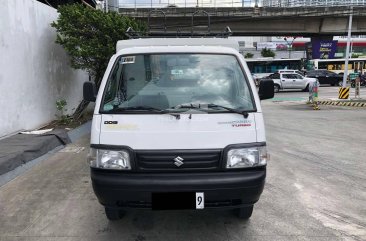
(221, 189)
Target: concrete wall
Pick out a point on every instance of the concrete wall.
(34, 71)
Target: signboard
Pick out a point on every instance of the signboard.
(266, 45)
(271, 45)
(323, 49)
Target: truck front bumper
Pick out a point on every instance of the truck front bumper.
(230, 189)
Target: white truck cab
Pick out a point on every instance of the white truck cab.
(178, 125)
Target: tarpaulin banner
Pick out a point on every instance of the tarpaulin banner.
(323, 49)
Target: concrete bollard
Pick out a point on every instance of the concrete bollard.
(357, 87)
(314, 95)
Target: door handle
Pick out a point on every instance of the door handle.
(294, 80)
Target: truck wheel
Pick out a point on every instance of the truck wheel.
(276, 88)
(113, 213)
(245, 212)
(306, 88)
(340, 83)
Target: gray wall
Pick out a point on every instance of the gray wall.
(34, 71)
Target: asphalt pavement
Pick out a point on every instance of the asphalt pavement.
(315, 190)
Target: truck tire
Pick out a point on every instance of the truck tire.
(306, 88)
(340, 83)
(244, 212)
(113, 214)
(276, 88)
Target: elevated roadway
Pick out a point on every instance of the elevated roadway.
(261, 21)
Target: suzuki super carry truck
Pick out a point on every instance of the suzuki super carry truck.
(178, 125)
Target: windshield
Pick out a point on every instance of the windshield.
(154, 82)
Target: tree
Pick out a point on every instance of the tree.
(89, 36)
(248, 55)
(267, 53)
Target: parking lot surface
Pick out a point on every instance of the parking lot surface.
(315, 190)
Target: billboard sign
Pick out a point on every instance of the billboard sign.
(323, 49)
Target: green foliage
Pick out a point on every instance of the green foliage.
(61, 109)
(354, 55)
(89, 36)
(248, 55)
(267, 53)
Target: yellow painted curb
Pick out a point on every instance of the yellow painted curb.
(342, 103)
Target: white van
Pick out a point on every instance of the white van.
(178, 125)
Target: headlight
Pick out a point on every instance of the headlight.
(109, 159)
(247, 157)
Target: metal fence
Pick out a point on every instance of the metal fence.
(311, 3)
(231, 3)
(186, 3)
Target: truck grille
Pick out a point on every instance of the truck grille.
(178, 160)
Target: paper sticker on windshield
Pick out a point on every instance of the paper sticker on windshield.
(186, 73)
(128, 60)
(177, 71)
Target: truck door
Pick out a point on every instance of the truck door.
(299, 81)
(288, 81)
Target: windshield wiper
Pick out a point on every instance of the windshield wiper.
(188, 106)
(203, 106)
(241, 112)
(146, 108)
(140, 107)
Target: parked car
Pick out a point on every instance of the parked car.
(326, 77)
(290, 81)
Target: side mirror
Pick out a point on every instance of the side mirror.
(89, 91)
(266, 89)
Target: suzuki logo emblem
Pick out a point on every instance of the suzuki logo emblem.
(178, 161)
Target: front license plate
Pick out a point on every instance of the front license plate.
(200, 200)
(178, 200)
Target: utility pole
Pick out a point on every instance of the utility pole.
(345, 75)
(289, 46)
(106, 6)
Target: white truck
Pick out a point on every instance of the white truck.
(290, 80)
(177, 125)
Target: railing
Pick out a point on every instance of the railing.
(311, 3)
(186, 3)
(235, 3)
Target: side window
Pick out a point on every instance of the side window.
(297, 76)
(275, 76)
(111, 88)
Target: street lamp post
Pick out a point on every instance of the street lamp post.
(289, 46)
